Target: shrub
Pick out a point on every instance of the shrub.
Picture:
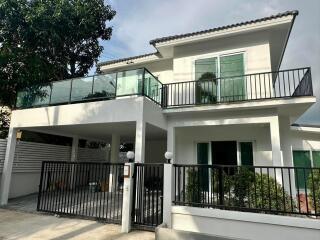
(313, 184)
(243, 179)
(267, 194)
(193, 191)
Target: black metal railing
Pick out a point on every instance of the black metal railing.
(262, 189)
(147, 210)
(266, 85)
(90, 190)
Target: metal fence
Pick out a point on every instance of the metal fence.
(90, 190)
(147, 208)
(263, 189)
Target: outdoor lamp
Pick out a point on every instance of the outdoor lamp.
(19, 135)
(130, 156)
(168, 156)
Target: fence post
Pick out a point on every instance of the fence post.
(127, 197)
(167, 193)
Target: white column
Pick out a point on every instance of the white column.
(74, 158)
(171, 142)
(127, 199)
(7, 167)
(140, 141)
(74, 149)
(276, 147)
(167, 193)
(114, 158)
(115, 146)
(275, 142)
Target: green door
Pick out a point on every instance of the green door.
(301, 159)
(206, 73)
(202, 158)
(232, 88)
(246, 153)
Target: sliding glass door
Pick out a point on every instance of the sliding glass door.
(231, 78)
(206, 72)
(220, 79)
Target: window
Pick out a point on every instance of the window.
(220, 78)
(206, 71)
(202, 158)
(316, 159)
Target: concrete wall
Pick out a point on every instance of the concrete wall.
(241, 225)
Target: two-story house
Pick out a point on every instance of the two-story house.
(213, 97)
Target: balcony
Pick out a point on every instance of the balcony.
(94, 88)
(257, 86)
(140, 82)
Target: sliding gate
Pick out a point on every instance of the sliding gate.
(89, 190)
(147, 210)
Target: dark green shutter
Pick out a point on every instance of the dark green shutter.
(301, 159)
(316, 159)
(231, 87)
(246, 153)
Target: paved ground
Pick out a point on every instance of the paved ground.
(23, 225)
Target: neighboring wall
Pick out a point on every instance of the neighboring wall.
(28, 159)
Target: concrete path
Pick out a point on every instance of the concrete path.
(22, 225)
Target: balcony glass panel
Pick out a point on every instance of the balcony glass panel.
(81, 89)
(60, 92)
(105, 86)
(129, 82)
(43, 96)
(152, 87)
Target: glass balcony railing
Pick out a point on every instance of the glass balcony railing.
(93, 88)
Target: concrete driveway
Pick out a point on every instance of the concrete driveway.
(21, 225)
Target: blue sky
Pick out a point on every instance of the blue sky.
(139, 21)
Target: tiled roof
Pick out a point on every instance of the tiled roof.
(164, 39)
(126, 59)
(174, 37)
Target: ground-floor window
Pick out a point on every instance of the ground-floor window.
(304, 159)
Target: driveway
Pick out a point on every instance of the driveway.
(22, 225)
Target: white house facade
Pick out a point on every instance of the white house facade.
(216, 97)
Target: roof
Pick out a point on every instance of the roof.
(174, 37)
(127, 59)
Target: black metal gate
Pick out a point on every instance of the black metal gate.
(147, 208)
(89, 190)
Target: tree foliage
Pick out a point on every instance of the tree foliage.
(47, 40)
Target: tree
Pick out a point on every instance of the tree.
(47, 40)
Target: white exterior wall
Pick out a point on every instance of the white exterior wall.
(187, 139)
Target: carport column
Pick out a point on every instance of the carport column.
(74, 158)
(127, 197)
(114, 158)
(275, 146)
(7, 167)
(167, 193)
(171, 141)
(140, 141)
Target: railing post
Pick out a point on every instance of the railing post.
(127, 197)
(167, 193)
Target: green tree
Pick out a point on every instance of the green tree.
(47, 40)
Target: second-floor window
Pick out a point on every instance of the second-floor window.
(220, 78)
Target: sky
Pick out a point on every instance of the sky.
(139, 21)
